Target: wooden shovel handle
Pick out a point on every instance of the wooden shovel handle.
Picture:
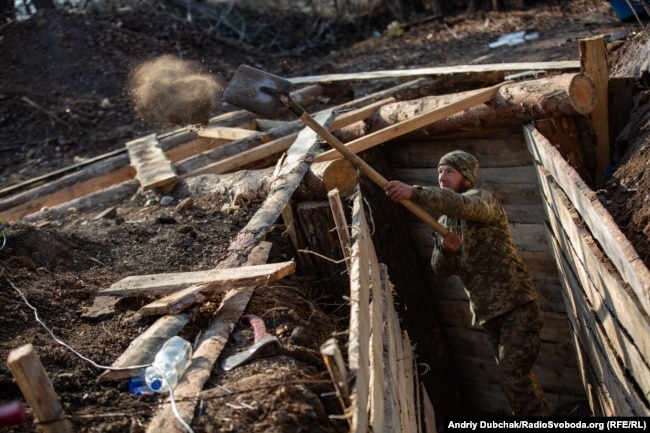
(371, 173)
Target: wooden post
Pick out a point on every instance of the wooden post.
(38, 390)
(341, 224)
(593, 61)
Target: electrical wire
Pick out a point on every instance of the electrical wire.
(58, 340)
(63, 343)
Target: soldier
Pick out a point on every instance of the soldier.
(480, 249)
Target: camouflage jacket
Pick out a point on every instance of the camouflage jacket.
(493, 273)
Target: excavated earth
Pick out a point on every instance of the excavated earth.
(64, 98)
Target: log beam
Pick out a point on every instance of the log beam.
(512, 104)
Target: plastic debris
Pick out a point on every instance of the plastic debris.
(511, 39)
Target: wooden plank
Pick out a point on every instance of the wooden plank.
(528, 237)
(593, 341)
(393, 352)
(593, 62)
(600, 222)
(359, 338)
(164, 284)
(100, 199)
(348, 118)
(440, 70)
(377, 307)
(234, 302)
(193, 147)
(625, 326)
(37, 389)
(512, 176)
(153, 169)
(175, 302)
(246, 157)
(490, 152)
(429, 412)
(612, 295)
(338, 214)
(225, 133)
(69, 193)
(461, 102)
(144, 347)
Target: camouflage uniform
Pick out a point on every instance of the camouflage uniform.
(500, 289)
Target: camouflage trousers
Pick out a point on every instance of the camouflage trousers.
(515, 340)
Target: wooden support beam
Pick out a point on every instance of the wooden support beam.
(593, 61)
(213, 279)
(322, 177)
(468, 100)
(37, 388)
(342, 229)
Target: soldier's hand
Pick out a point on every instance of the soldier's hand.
(452, 243)
(396, 190)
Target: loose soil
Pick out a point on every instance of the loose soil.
(65, 98)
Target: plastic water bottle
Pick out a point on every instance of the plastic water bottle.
(138, 386)
(168, 365)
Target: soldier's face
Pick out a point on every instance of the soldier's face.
(450, 178)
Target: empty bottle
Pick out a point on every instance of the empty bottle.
(138, 385)
(168, 365)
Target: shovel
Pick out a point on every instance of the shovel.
(264, 345)
(267, 95)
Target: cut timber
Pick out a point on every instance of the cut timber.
(294, 167)
(442, 70)
(153, 168)
(461, 103)
(582, 93)
(164, 284)
(252, 153)
(175, 303)
(100, 199)
(512, 104)
(38, 390)
(225, 133)
(593, 60)
(234, 302)
(323, 177)
(143, 349)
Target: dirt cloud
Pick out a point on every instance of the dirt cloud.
(169, 91)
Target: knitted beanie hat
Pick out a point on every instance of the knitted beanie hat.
(464, 162)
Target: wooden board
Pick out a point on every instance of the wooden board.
(613, 312)
(511, 176)
(600, 222)
(163, 284)
(593, 342)
(153, 169)
(440, 70)
(225, 133)
(488, 151)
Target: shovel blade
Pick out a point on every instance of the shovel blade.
(265, 347)
(257, 91)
